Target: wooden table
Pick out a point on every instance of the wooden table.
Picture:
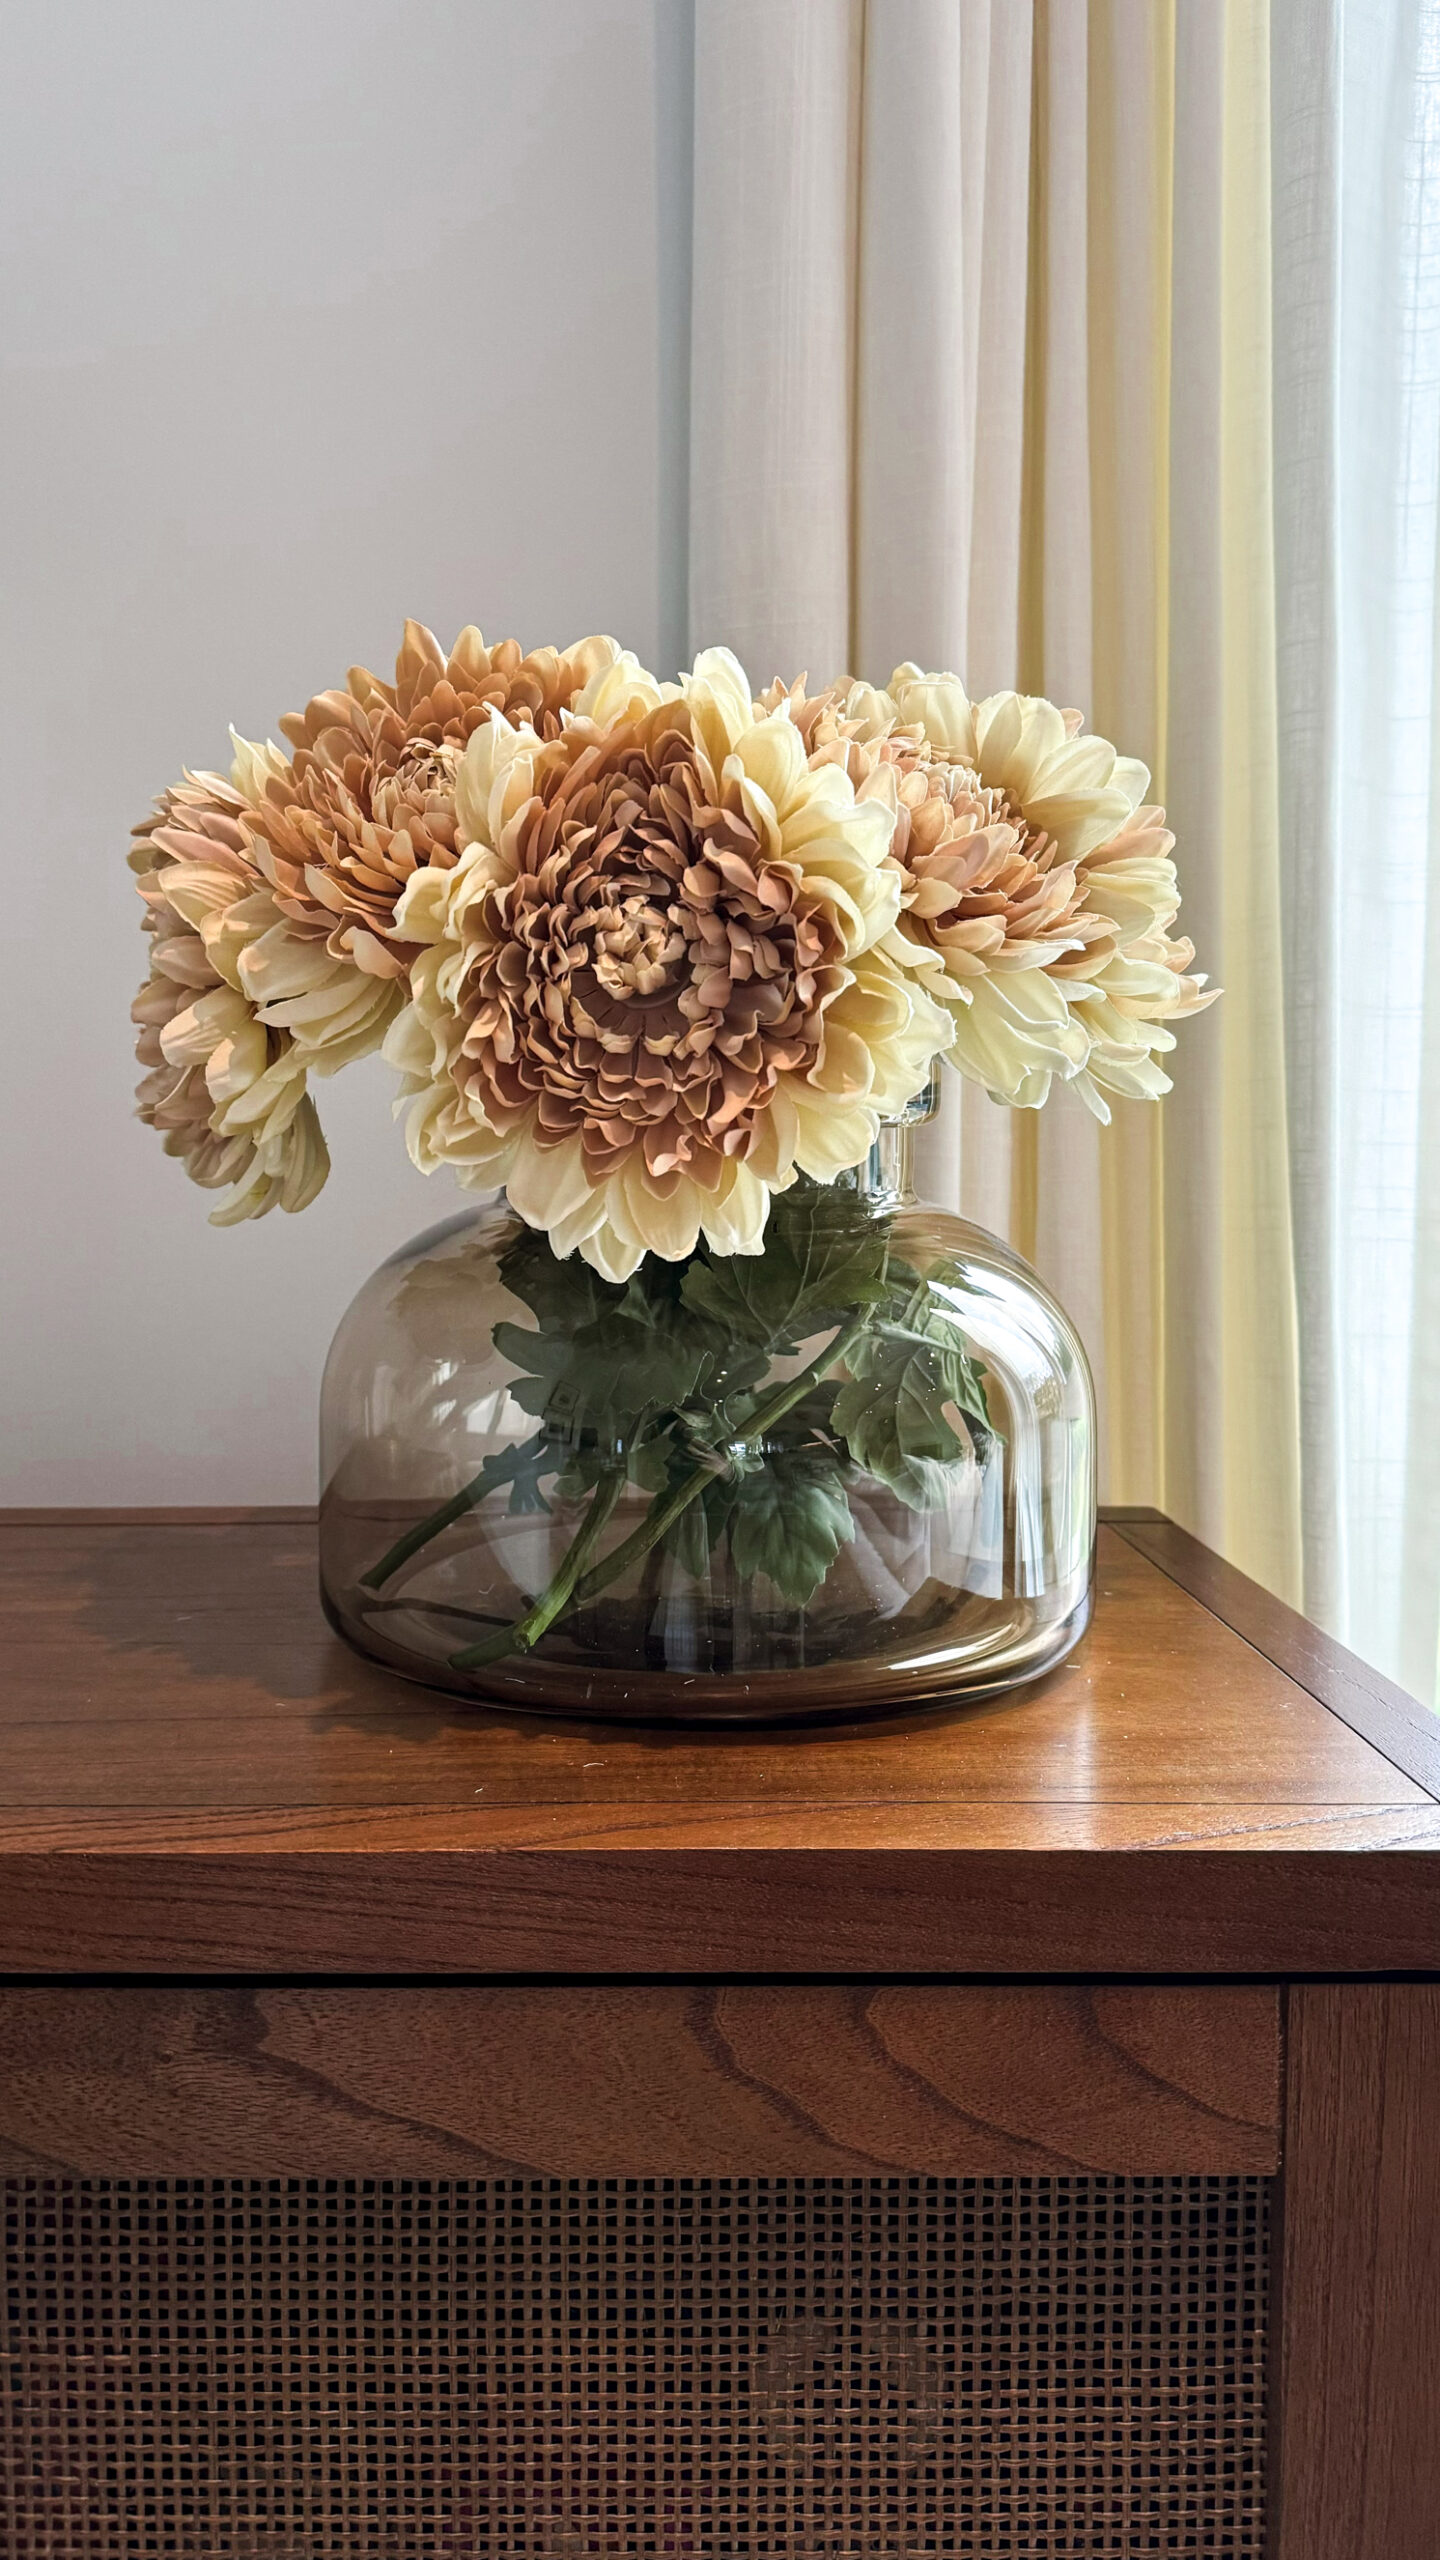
(263, 1907)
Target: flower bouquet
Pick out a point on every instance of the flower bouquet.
(703, 1415)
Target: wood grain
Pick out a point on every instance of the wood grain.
(198, 1778)
(650, 2081)
(373, 1830)
(843, 1913)
(1357, 2458)
(1386, 1715)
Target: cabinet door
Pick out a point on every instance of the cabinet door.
(599, 2270)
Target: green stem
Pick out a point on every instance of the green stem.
(649, 1592)
(573, 1581)
(559, 1590)
(662, 1515)
(905, 1333)
(498, 1470)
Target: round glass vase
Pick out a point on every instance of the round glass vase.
(851, 1474)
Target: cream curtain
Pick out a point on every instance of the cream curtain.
(1356, 122)
(981, 375)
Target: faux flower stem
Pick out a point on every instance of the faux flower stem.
(498, 1470)
(662, 1515)
(573, 1581)
(558, 1591)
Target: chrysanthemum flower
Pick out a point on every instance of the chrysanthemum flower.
(662, 976)
(227, 1094)
(1136, 979)
(1038, 887)
(364, 801)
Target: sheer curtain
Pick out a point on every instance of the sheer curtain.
(981, 375)
(1356, 125)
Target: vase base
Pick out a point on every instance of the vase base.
(1020, 1642)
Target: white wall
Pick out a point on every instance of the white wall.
(312, 313)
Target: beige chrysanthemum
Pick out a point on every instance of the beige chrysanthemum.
(367, 799)
(1039, 889)
(227, 1094)
(662, 978)
(1127, 979)
(1137, 979)
(989, 906)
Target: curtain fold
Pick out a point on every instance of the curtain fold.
(1356, 123)
(777, 105)
(1094, 345)
(1131, 106)
(1231, 1456)
(1056, 1206)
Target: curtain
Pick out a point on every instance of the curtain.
(1356, 117)
(981, 375)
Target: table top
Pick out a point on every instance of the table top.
(199, 1778)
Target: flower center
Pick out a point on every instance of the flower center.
(422, 768)
(634, 947)
(979, 806)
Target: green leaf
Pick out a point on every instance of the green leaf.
(606, 1362)
(892, 1410)
(559, 1294)
(608, 1378)
(825, 1255)
(965, 1374)
(785, 1516)
(789, 1519)
(666, 1368)
(621, 1366)
(541, 1358)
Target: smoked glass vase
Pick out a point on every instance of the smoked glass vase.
(850, 1475)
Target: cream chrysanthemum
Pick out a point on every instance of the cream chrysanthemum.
(1122, 979)
(663, 977)
(1038, 888)
(1137, 979)
(227, 1094)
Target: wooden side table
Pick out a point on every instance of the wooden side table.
(1156, 1937)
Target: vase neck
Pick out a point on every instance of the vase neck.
(887, 1175)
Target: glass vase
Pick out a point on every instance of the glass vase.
(851, 1474)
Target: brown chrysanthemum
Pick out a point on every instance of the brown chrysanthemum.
(647, 975)
(227, 1094)
(368, 795)
(656, 987)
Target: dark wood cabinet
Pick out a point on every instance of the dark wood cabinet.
(1014, 2129)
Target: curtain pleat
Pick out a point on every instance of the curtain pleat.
(1356, 128)
(997, 64)
(777, 101)
(912, 453)
(1130, 101)
(1306, 68)
(1231, 1459)
(1056, 1203)
(921, 190)
(1194, 778)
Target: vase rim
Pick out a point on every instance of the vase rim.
(922, 1106)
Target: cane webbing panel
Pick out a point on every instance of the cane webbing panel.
(595, 2368)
